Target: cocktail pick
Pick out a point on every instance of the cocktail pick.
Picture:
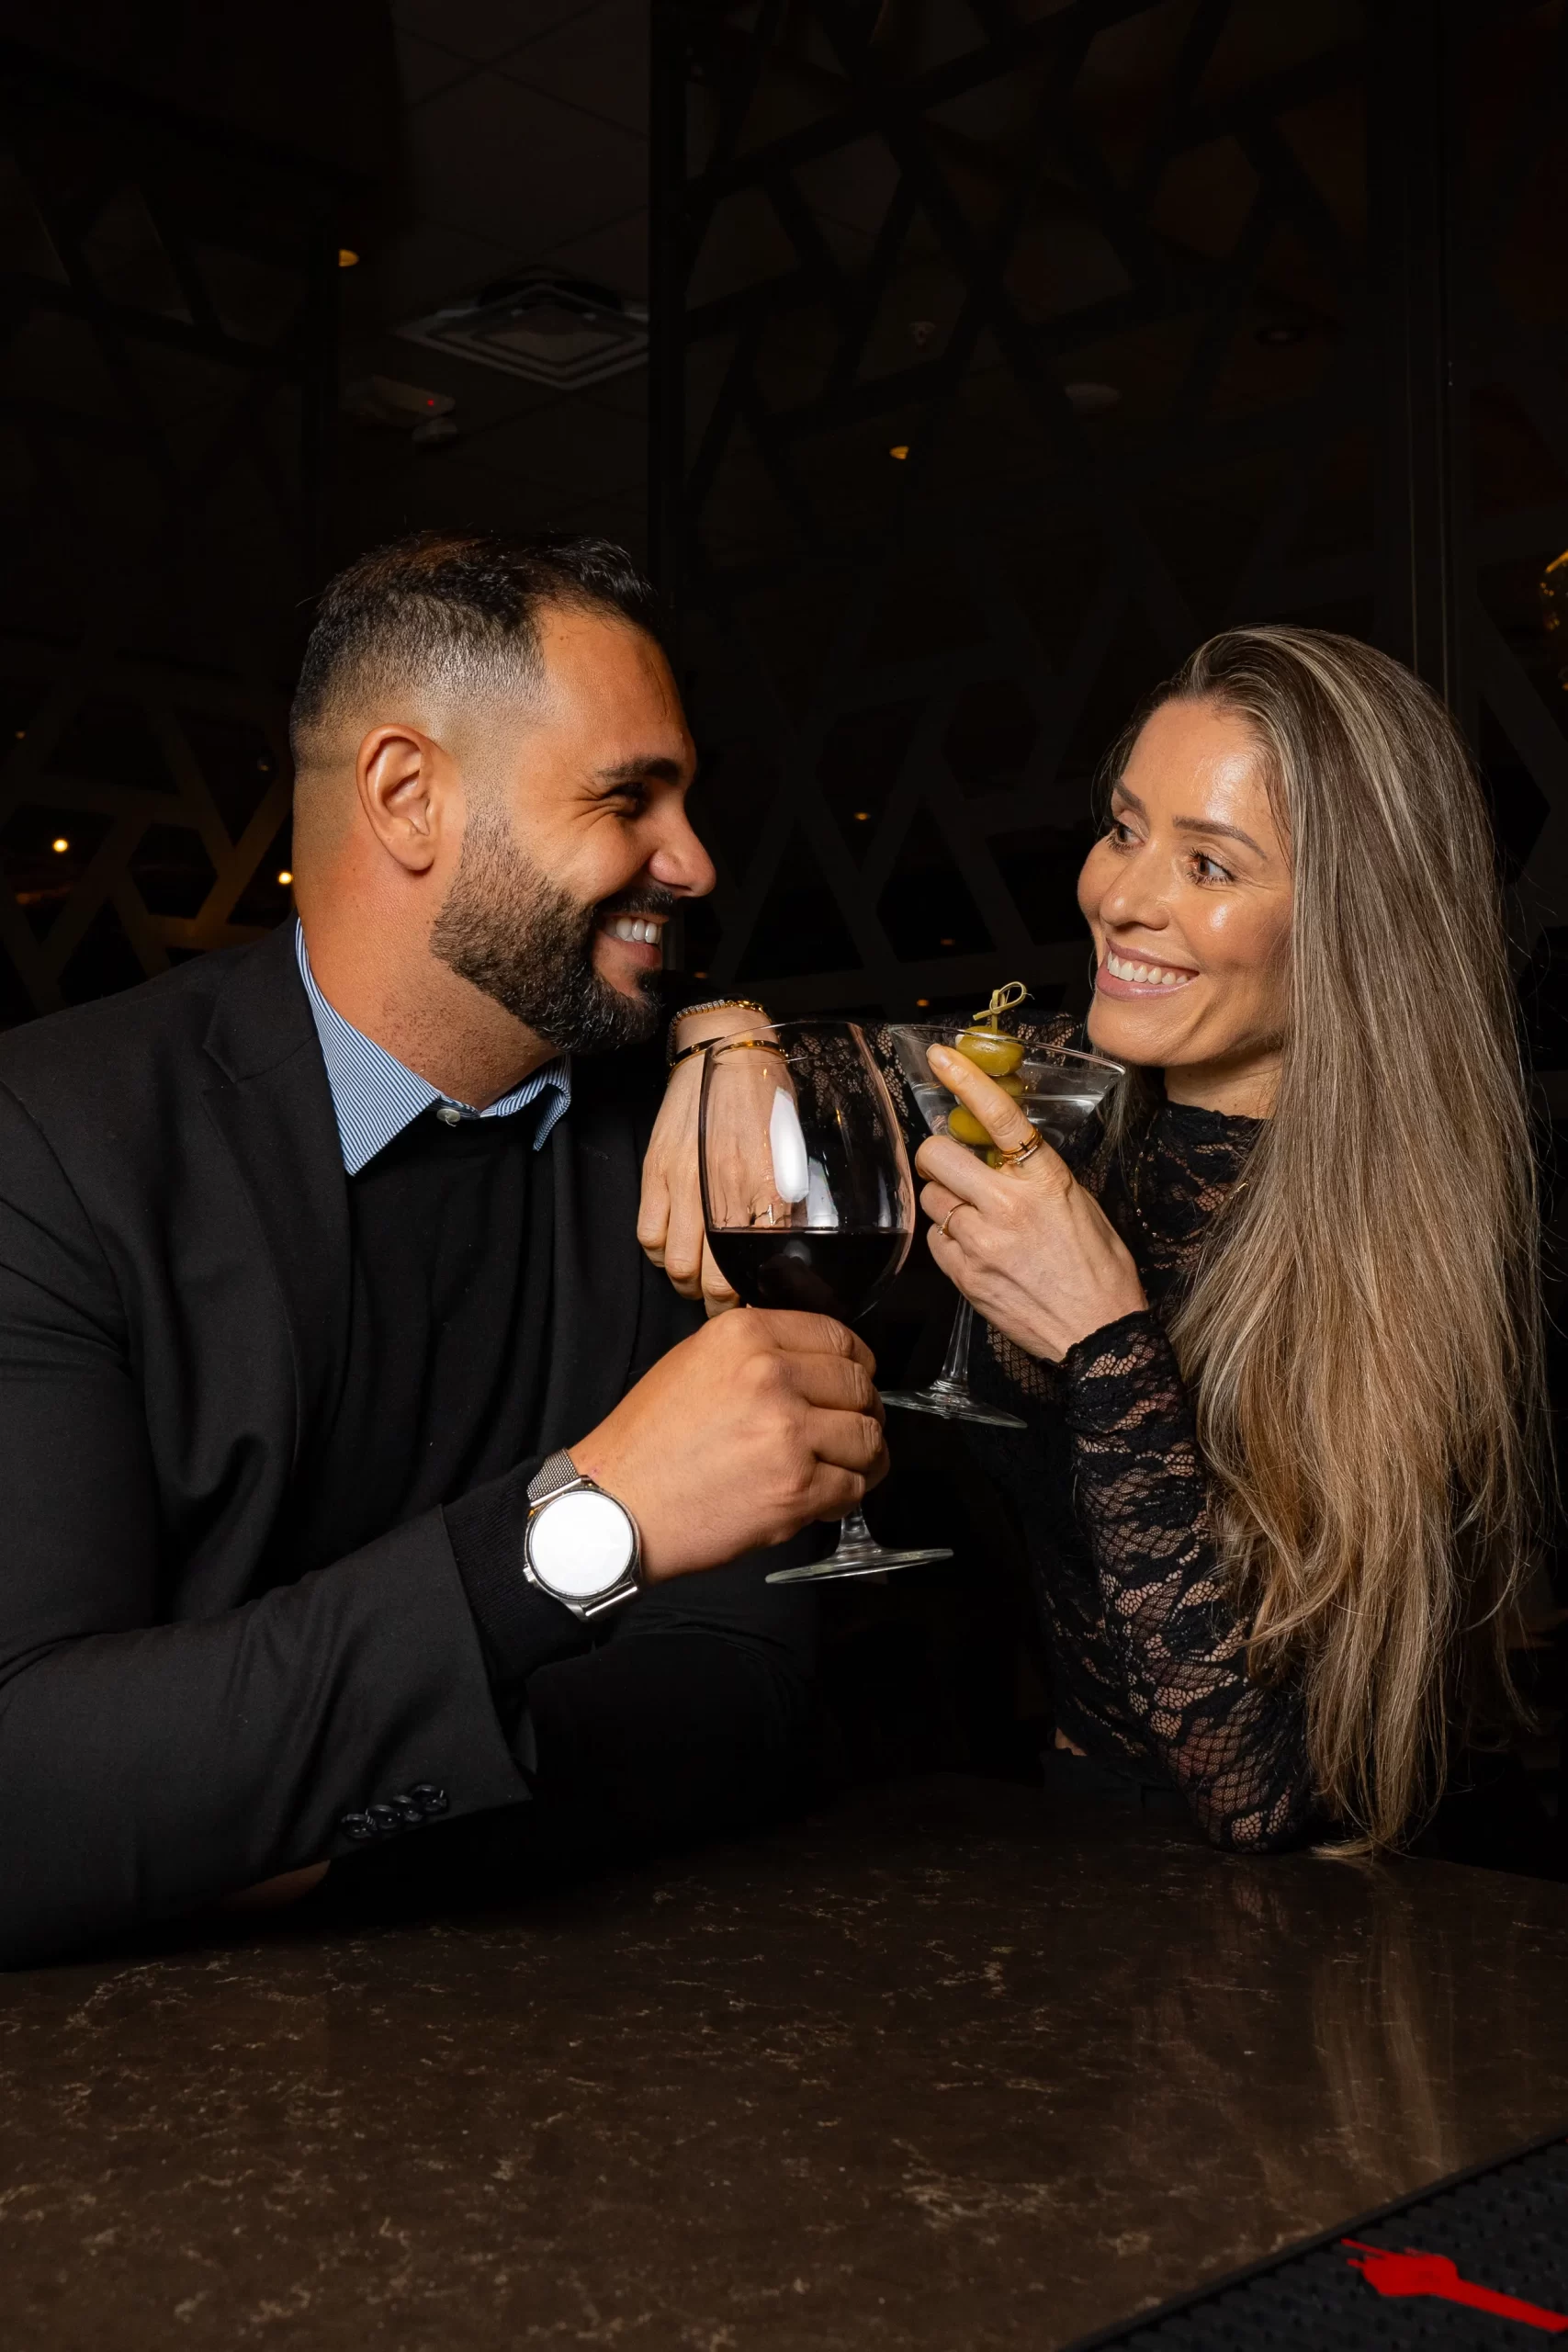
(1007, 999)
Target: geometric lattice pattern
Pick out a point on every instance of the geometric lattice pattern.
(1008, 350)
(164, 390)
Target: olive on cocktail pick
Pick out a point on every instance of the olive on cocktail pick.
(986, 1045)
(964, 1128)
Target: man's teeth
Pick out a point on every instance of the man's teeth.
(633, 929)
(1120, 967)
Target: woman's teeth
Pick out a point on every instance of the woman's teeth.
(633, 929)
(1120, 967)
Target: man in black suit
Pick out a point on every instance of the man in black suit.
(363, 1483)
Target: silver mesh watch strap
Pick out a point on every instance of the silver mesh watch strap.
(558, 1472)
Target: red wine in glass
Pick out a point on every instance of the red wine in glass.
(807, 1200)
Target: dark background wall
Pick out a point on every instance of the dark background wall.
(1008, 350)
(187, 445)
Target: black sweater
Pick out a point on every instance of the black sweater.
(234, 1629)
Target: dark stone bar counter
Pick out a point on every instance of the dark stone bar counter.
(938, 2067)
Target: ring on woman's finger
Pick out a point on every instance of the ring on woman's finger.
(1024, 1150)
(952, 1213)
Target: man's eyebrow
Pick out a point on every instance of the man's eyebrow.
(658, 768)
(1196, 824)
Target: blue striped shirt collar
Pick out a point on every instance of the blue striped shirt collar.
(374, 1098)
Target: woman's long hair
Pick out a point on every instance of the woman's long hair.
(1363, 1335)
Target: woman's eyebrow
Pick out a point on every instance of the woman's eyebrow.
(1213, 825)
(1195, 824)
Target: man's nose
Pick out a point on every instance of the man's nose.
(681, 863)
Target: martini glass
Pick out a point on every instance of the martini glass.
(807, 1200)
(1060, 1090)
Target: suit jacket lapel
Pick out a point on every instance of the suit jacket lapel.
(271, 1103)
(598, 1266)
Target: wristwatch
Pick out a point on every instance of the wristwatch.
(580, 1545)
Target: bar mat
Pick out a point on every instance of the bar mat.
(1475, 2264)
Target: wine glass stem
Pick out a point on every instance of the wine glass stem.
(955, 1373)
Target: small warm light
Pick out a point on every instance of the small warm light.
(699, 976)
(286, 878)
(900, 450)
(21, 734)
(863, 816)
(921, 1002)
(347, 258)
(947, 942)
(60, 845)
(1554, 612)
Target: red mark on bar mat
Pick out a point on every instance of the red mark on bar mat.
(1433, 2274)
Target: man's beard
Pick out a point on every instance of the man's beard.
(509, 929)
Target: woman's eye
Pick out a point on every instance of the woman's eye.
(1210, 869)
(1120, 833)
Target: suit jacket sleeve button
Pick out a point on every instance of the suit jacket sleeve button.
(428, 1797)
(383, 1819)
(358, 1826)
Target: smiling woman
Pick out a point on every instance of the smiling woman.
(1277, 1331)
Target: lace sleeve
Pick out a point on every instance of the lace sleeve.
(1236, 1748)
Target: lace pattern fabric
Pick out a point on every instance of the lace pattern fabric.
(1148, 1647)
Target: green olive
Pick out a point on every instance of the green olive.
(1017, 1087)
(994, 1157)
(964, 1128)
(990, 1051)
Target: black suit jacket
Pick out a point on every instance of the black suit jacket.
(182, 1712)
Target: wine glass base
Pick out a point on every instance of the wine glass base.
(859, 1560)
(951, 1405)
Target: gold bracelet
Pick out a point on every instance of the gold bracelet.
(713, 1004)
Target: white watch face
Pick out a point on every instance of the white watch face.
(580, 1545)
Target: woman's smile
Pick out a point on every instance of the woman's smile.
(1131, 971)
(1188, 896)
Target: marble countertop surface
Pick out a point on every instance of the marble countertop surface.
(938, 2067)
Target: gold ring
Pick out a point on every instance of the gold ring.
(952, 1213)
(1016, 1158)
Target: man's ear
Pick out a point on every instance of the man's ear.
(407, 787)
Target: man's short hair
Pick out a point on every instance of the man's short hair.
(458, 610)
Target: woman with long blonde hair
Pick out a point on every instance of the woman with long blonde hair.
(1276, 1331)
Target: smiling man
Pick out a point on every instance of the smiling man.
(368, 1489)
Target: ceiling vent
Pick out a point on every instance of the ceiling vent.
(553, 328)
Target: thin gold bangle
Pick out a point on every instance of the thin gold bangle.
(710, 1045)
(713, 1004)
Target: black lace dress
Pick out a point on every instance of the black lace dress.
(1148, 1654)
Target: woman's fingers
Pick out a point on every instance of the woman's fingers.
(951, 1165)
(1007, 1122)
(938, 1201)
(964, 1172)
(717, 1295)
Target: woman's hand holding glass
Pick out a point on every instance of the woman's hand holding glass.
(670, 1217)
(1030, 1250)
